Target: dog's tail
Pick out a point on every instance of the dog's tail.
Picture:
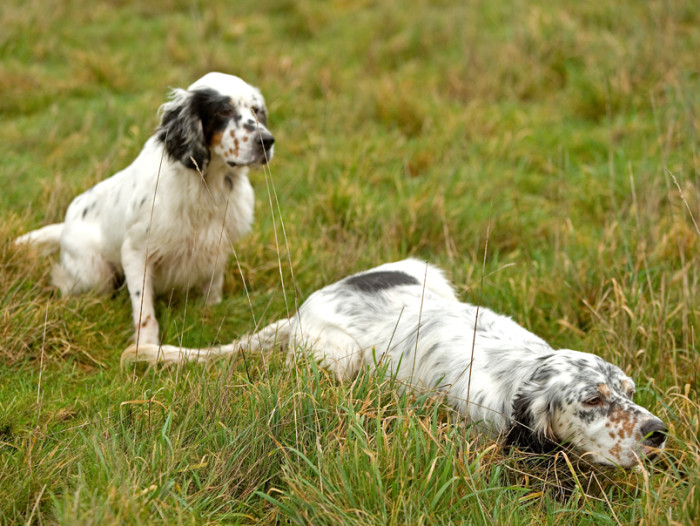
(276, 334)
(47, 239)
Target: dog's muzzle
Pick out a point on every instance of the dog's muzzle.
(266, 141)
(654, 433)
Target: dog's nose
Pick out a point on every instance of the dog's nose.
(267, 140)
(654, 432)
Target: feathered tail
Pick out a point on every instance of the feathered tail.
(276, 334)
(47, 239)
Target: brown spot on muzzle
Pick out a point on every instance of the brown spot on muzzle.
(615, 451)
(624, 419)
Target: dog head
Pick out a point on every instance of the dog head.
(581, 400)
(217, 115)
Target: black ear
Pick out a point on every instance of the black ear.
(530, 425)
(182, 132)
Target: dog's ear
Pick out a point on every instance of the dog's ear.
(182, 132)
(531, 420)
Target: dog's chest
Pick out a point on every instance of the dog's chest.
(192, 231)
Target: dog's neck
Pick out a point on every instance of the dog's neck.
(220, 179)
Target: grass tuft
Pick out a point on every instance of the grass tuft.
(570, 128)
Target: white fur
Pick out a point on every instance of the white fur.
(162, 224)
(491, 369)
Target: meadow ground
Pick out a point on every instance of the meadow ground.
(566, 130)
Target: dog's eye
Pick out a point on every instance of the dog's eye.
(594, 401)
(225, 112)
(259, 114)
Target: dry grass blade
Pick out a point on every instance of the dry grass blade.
(560, 129)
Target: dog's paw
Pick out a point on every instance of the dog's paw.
(213, 298)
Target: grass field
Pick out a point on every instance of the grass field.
(569, 131)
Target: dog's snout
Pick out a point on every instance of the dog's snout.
(654, 432)
(267, 140)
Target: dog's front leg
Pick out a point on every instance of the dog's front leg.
(139, 281)
(213, 288)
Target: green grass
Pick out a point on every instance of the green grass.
(567, 130)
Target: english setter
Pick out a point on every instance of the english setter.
(168, 219)
(406, 314)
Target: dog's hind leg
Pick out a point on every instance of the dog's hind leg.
(153, 353)
(331, 346)
(83, 266)
(275, 334)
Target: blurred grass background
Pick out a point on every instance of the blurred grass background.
(568, 131)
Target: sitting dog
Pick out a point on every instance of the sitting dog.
(497, 374)
(168, 220)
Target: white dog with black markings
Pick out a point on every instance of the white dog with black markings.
(167, 221)
(406, 314)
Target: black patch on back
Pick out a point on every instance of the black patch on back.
(381, 280)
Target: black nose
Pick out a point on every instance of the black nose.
(654, 432)
(267, 140)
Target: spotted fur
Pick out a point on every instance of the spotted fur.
(406, 314)
(169, 219)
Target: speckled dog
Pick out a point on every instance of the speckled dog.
(168, 220)
(518, 387)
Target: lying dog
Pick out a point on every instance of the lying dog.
(168, 220)
(406, 313)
